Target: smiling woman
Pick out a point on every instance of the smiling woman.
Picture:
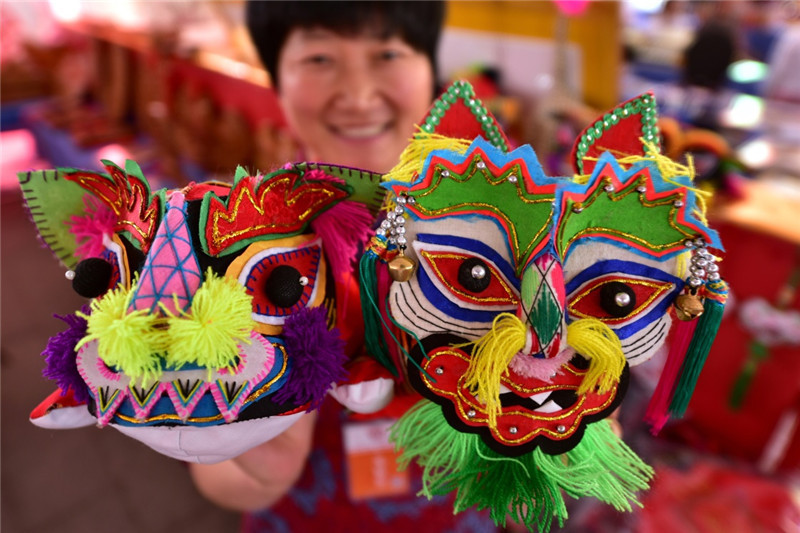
(354, 100)
(352, 80)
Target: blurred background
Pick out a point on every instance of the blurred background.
(177, 87)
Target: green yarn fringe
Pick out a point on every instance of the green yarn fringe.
(527, 489)
(704, 334)
(374, 338)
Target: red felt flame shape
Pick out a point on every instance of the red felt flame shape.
(278, 205)
(128, 196)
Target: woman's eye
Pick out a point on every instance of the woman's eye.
(389, 55)
(317, 60)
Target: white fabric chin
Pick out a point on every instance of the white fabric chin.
(210, 444)
(366, 397)
(65, 418)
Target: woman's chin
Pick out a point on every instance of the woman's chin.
(379, 153)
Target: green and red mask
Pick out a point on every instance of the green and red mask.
(519, 301)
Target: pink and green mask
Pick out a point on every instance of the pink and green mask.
(516, 302)
(214, 315)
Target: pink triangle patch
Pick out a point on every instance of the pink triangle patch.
(171, 272)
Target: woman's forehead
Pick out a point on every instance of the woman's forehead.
(377, 31)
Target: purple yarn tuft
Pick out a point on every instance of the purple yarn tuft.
(60, 356)
(317, 354)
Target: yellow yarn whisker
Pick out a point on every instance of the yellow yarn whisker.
(210, 333)
(490, 358)
(130, 341)
(598, 343)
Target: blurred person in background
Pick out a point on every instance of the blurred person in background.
(783, 78)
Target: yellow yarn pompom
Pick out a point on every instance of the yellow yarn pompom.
(210, 333)
(490, 358)
(596, 341)
(128, 341)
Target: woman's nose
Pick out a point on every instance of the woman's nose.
(357, 85)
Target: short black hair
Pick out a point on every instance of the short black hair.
(418, 23)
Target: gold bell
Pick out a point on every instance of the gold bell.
(688, 306)
(401, 267)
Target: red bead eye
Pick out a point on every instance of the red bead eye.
(616, 299)
(469, 278)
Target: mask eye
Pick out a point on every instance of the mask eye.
(615, 299)
(469, 278)
(92, 277)
(281, 276)
(474, 275)
(285, 286)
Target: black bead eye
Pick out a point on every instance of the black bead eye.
(92, 277)
(617, 299)
(285, 286)
(474, 275)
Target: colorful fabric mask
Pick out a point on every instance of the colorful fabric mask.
(212, 324)
(515, 303)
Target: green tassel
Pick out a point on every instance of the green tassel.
(374, 339)
(704, 333)
(759, 352)
(528, 489)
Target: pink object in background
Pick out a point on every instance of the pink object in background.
(19, 153)
(114, 152)
(572, 8)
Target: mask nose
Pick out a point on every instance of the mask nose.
(542, 304)
(171, 273)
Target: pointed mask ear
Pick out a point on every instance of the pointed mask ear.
(623, 131)
(457, 113)
(51, 201)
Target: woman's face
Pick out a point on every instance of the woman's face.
(353, 101)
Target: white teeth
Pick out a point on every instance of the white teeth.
(361, 132)
(541, 397)
(549, 407)
(504, 389)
